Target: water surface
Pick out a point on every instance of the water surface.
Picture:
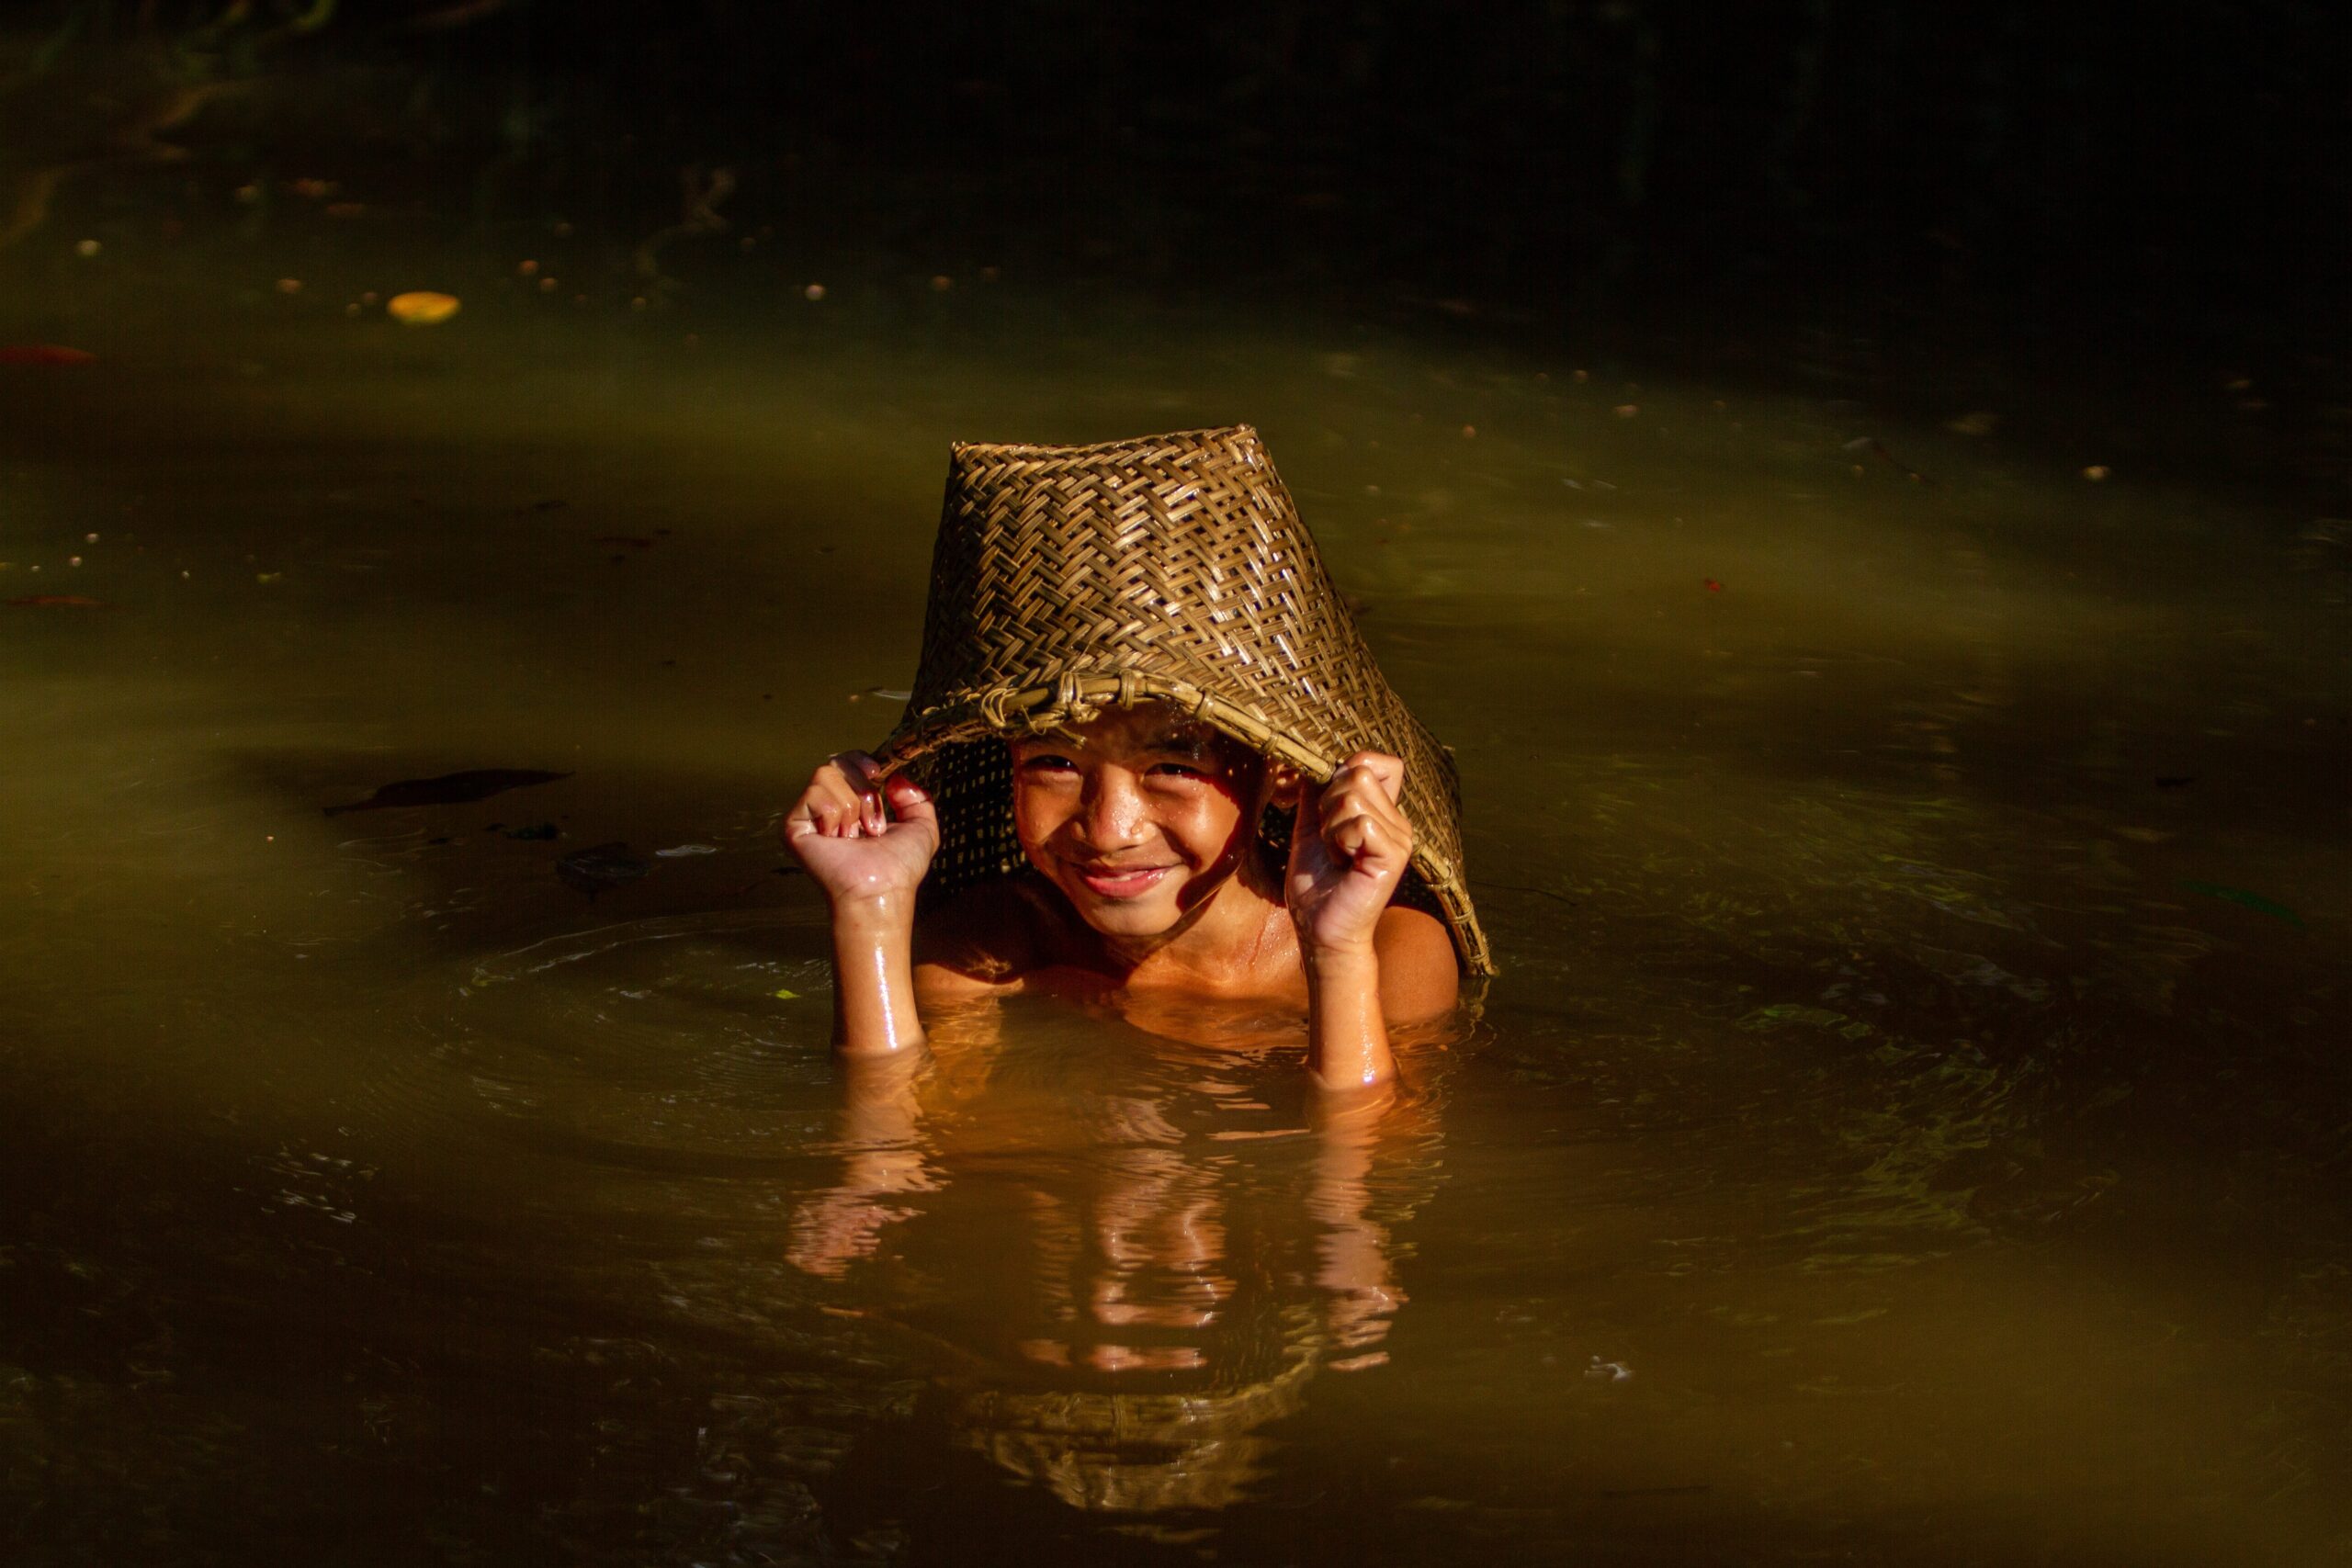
(1910, 1124)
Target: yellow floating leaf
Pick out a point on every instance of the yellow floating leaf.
(788, 996)
(421, 308)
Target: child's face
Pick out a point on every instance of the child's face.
(1140, 818)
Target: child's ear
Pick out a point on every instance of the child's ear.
(1282, 783)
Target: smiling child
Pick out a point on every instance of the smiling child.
(1146, 750)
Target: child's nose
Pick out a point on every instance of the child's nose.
(1111, 814)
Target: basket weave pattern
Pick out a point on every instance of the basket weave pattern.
(1173, 568)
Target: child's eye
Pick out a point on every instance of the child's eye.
(1176, 769)
(1046, 762)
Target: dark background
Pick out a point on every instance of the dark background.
(2115, 202)
(2178, 167)
(2168, 164)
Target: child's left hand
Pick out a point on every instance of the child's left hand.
(1348, 851)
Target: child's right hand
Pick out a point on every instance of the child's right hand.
(858, 848)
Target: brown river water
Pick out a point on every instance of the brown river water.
(1910, 1126)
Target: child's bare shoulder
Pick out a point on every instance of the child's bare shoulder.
(1419, 976)
(986, 938)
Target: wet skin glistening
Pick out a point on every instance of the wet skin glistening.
(1145, 872)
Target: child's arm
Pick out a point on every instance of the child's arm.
(869, 857)
(1364, 960)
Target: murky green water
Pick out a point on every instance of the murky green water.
(1911, 1126)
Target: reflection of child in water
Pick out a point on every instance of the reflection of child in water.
(1135, 674)
(1155, 1250)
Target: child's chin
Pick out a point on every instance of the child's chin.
(1129, 923)
(1124, 918)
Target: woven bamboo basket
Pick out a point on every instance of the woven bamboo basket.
(1170, 568)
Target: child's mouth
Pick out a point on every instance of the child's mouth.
(1123, 884)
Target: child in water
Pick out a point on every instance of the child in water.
(1146, 750)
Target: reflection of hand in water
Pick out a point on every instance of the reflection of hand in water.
(881, 1118)
(882, 1133)
(1353, 1250)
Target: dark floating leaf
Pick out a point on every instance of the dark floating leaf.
(475, 784)
(2253, 901)
(601, 868)
(544, 830)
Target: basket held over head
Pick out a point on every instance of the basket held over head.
(1173, 568)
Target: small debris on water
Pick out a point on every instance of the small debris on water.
(2253, 901)
(421, 308)
(1626, 410)
(86, 248)
(544, 830)
(782, 994)
(1877, 449)
(2097, 472)
(59, 602)
(1976, 422)
(679, 852)
(1607, 1372)
(814, 291)
(1711, 585)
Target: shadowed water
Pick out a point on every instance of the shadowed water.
(1911, 1123)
